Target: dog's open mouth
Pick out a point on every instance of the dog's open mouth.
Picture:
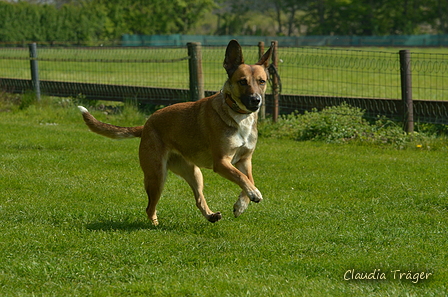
(253, 108)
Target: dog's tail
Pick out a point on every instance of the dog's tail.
(108, 130)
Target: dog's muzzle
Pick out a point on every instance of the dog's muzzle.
(252, 102)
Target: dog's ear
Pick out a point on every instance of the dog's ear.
(234, 57)
(264, 60)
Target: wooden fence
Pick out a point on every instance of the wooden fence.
(277, 102)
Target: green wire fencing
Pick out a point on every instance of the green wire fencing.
(380, 81)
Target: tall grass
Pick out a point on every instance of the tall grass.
(73, 222)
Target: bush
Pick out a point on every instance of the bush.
(339, 124)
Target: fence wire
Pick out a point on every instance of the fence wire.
(14, 63)
(340, 72)
(155, 67)
(371, 80)
(94, 70)
(311, 77)
(429, 76)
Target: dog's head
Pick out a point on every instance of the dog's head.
(246, 85)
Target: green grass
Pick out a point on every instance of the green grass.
(73, 222)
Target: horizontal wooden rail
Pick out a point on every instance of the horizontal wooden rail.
(427, 111)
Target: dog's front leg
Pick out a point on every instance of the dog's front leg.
(241, 205)
(245, 166)
(225, 168)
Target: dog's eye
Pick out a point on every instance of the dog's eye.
(262, 82)
(243, 82)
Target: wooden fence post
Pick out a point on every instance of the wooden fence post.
(275, 81)
(195, 69)
(262, 112)
(34, 70)
(406, 90)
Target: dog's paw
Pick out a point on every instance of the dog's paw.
(155, 222)
(240, 205)
(214, 217)
(255, 196)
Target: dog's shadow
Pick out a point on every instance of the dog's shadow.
(200, 227)
(130, 226)
(110, 225)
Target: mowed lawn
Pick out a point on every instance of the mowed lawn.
(73, 222)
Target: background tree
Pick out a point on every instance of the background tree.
(152, 16)
(232, 17)
(90, 20)
(438, 15)
(288, 10)
(365, 17)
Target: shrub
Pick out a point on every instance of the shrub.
(338, 124)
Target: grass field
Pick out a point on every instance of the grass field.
(349, 72)
(73, 222)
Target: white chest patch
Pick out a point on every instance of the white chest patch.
(243, 136)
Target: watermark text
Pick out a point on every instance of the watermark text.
(395, 274)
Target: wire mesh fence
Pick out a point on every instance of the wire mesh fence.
(14, 63)
(369, 79)
(361, 73)
(429, 76)
(309, 77)
(98, 72)
(155, 67)
(340, 72)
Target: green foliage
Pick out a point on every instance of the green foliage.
(433, 129)
(28, 99)
(97, 20)
(335, 17)
(340, 124)
(94, 20)
(9, 102)
(360, 17)
(24, 21)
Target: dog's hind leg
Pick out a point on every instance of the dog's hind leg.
(193, 176)
(153, 163)
(154, 181)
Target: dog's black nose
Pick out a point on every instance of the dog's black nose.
(252, 101)
(255, 99)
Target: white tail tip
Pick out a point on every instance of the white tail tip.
(83, 109)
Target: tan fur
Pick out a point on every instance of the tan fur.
(209, 133)
(111, 131)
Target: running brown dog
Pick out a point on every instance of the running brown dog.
(218, 132)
